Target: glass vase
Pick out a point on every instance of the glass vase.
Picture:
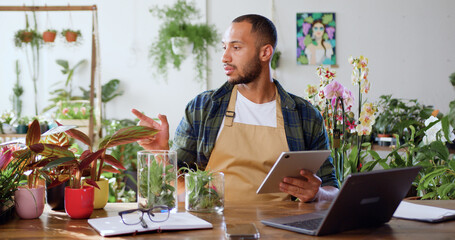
(204, 191)
(157, 178)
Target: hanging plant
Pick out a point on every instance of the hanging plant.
(27, 36)
(71, 35)
(177, 23)
(49, 35)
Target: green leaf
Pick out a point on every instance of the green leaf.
(114, 162)
(58, 162)
(440, 149)
(64, 65)
(128, 135)
(51, 150)
(447, 190)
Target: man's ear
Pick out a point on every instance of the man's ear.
(266, 53)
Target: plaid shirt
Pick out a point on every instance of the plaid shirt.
(196, 134)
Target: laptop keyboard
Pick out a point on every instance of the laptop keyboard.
(309, 224)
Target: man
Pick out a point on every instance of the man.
(241, 128)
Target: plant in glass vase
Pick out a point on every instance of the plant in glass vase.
(204, 190)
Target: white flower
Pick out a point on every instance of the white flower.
(434, 132)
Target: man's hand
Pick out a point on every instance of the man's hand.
(308, 188)
(305, 188)
(159, 141)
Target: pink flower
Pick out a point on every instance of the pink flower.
(333, 90)
(5, 157)
(75, 110)
(83, 110)
(65, 111)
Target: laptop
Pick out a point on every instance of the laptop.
(366, 199)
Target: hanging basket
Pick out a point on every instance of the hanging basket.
(71, 35)
(49, 36)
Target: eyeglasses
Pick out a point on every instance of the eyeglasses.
(136, 216)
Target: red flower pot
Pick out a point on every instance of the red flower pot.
(71, 36)
(49, 36)
(79, 202)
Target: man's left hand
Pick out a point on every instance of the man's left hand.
(305, 188)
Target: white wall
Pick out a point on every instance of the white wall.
(409, 44)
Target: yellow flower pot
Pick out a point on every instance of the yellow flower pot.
(101, 195)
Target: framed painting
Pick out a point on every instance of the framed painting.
(316, 39)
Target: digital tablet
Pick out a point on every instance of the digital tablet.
(289, 164)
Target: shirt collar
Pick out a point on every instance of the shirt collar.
(286, 100)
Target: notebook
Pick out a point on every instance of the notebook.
(365, 200)
(111, 226)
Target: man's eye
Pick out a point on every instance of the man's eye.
(236, 47)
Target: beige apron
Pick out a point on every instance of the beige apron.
(245, 154)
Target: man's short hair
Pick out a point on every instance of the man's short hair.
(262, 26)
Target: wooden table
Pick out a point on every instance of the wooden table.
(57, 224)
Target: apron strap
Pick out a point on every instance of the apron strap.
(230, 113)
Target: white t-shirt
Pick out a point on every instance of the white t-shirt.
(251, 113)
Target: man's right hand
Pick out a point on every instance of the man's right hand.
(159, 141)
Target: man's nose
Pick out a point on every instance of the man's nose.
(226, 57)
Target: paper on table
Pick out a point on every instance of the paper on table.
(411, 211)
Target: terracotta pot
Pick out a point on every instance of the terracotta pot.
(79, 202)
(29, 202)
(56, 197)
(101, 195)
(71, 36)
(49, 36)
(27, 37)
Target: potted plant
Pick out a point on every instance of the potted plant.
(177, 24)
(29, 199)
(10, 173)
(204, 190)
(22, 125)
(396, 114)
(6, 119)
(55, 155)
(49, 35)
(71, 35)
(27, 35)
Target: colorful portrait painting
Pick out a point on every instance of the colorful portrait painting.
(316, 41)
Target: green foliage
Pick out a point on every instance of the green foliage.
(155, 184)
(200, 191)
(437, 177)
(127, 153)
(395, 115)
(17, 92)
(10, 175)
(275, 59)
(109, 91)
(117, 188)
(64, 94)
(177, 23)
(64, 31)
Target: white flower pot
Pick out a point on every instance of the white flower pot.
(181, 46)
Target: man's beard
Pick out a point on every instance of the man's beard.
(251, 72)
